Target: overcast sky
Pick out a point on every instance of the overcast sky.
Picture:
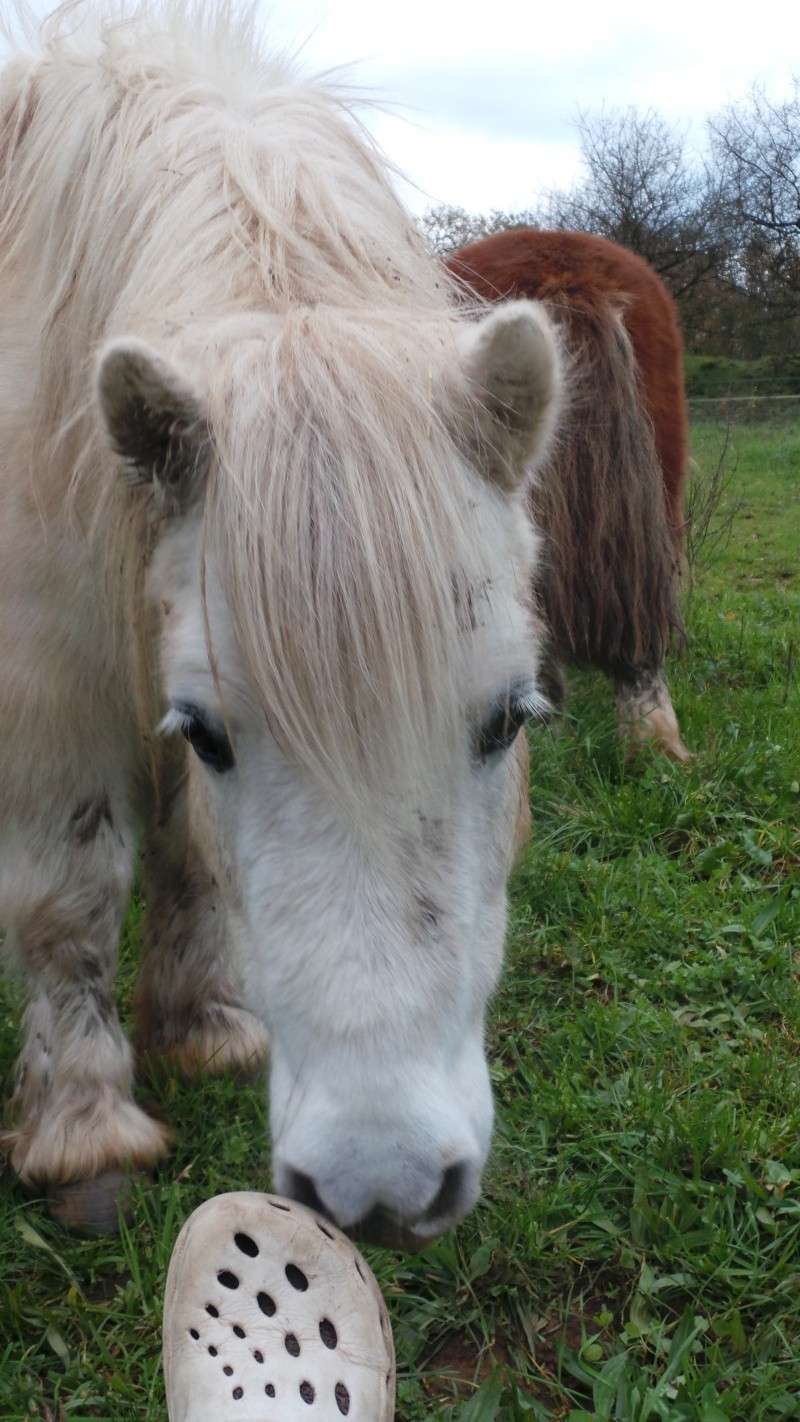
(485, 95)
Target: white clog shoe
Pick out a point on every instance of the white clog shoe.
(271, 1315)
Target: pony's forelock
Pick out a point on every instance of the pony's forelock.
(343, 539)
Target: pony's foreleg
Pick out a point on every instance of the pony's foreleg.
(645, 713)
(74, 1116)
(189, 1003)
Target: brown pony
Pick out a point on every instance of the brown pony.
(611, 506)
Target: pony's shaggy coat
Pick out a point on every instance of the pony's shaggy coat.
(263, 484)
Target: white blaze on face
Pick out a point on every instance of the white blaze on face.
(371, 949)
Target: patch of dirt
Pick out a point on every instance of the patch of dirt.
(547, 1336)
(105, 1287)
(458, 1360)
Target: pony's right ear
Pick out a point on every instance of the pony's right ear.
(513, 363)
(155, 422)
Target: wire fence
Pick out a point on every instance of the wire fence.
(745, 409)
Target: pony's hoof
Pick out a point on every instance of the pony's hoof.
(252, 1075)
(226, 1040)
(92, 1207)
(675, 750)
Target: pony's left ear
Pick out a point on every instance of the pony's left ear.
(513, 365)
(155, 422)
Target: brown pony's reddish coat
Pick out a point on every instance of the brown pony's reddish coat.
(587, 273)
(611, 506)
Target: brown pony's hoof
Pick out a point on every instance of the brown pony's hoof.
(92, 1207)
(674, 749)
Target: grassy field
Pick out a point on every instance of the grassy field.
(637, 1254)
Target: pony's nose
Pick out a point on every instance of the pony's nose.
(385, 1221)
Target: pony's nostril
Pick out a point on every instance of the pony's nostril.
(302, 1189)
(392, 1222)
(449, 1194)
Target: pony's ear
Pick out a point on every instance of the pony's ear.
(156, 423)
(513, 365)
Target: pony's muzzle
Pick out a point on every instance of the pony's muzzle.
(391, 1218)
(393, 1157)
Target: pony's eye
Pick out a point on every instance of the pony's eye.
(500, 729)
(209, 744)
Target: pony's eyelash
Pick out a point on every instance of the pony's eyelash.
(525, 698)
(177, 719)
(534, 703)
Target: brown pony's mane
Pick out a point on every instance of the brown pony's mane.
(612, 506)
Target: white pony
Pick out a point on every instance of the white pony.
(264, 602)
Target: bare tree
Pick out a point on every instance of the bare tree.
(448, 228)
(724, 233)
(755, 147)
(640, 189)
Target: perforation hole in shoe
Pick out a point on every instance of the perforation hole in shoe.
(258, 1355)
(296, 1278)
(228, 1370)
(307, 1392)
(327, 1333)
(193, 1333)
(238, 1393)
(239, 1331)
(227, 1279)
(269, 1389)
(246, 1245)
(212, 1350)
(342, 1398)
(292, 1344)
(212, 1310)
(322, 1229)
(266, 1303)
(285, 1209)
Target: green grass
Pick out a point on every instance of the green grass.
(637, 1253)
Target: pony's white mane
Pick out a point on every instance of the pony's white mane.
(161, 177)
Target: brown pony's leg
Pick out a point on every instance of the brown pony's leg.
(551, 679)
(188, 1001)
(522, 802)
(77, 1128)
(645, 713)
